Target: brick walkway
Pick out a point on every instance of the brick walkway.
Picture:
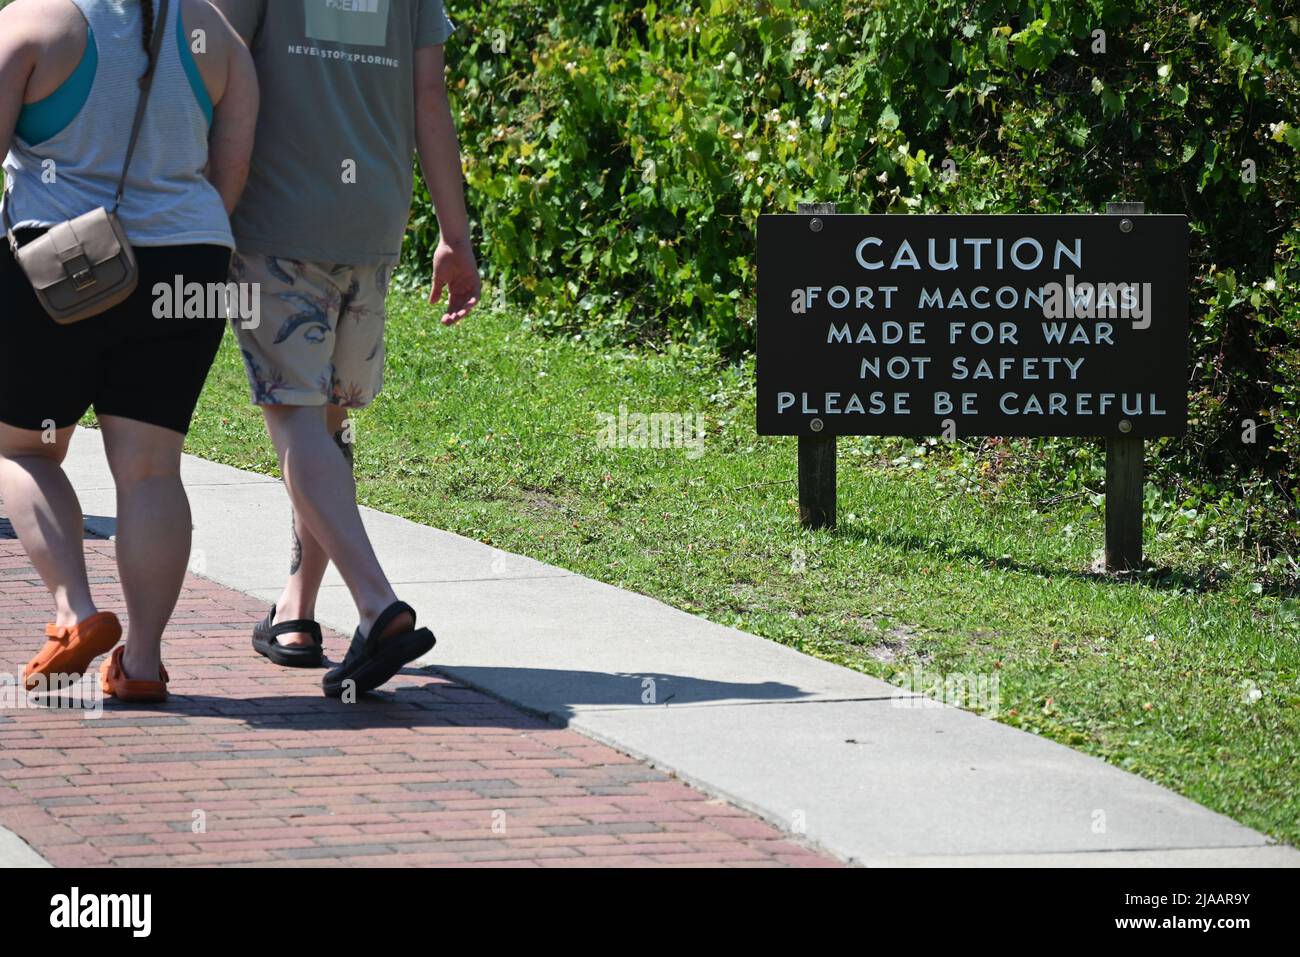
(428, 772)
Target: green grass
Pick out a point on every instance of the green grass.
(490, 430)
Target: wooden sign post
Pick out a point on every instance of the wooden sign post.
(817, 452)
(1125, 458)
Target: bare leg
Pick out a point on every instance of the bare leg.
(308, 562)
(153, 533)
(44, 511)
(324, 497)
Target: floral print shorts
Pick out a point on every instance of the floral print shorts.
(319, 334)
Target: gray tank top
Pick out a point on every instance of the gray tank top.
(168, 200)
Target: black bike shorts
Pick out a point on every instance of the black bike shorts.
(123, 362)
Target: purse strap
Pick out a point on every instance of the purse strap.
(146, 85)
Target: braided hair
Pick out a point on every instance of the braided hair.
(146, 9)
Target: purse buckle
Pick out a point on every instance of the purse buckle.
(78, 269)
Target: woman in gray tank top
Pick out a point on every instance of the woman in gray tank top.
(69, 85)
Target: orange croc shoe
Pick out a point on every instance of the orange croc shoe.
(70, 651)
(113, 681)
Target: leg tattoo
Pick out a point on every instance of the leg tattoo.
(295, 559)
(344, 444)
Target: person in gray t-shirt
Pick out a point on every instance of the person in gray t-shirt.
(351, 91)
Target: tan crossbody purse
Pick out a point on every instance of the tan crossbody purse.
(86, 266)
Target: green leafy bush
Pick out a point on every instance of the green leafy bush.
(618, 154)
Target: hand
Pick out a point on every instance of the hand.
(455, 268)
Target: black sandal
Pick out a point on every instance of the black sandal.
(289, 656)
(372, 660)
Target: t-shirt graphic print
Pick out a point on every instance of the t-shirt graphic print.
(355, 22)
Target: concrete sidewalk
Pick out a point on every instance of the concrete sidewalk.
(810, 746)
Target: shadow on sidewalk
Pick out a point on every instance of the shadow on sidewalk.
(96, 528)
(436, 705)
(472, 697)
(595, 689)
